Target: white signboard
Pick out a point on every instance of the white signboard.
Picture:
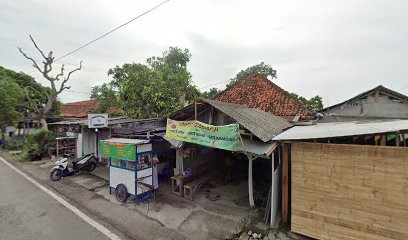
(98, 120)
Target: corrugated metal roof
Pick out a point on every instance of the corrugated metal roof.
(262, 124)
(342, 129)
(111, 121)
(71, 122)
(258, 148)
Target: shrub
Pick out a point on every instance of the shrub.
(14, 144)
(36, 146)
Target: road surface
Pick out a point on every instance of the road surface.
(27, 212)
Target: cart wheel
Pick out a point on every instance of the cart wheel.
(56, 175)
(121, 193)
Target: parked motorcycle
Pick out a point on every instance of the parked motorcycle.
(86, 163)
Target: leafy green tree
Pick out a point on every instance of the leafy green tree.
(106, 99)
(211, 94)
(157, 88)
(12, 98)
(315, 103)
(35, 95)
(262, 69)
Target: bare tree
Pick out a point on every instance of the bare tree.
(57, 82)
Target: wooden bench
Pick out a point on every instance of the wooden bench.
(193, 186)
(178, 190)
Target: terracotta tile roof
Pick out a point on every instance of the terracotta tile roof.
(259, 92)
(81, 109)
(77, 109)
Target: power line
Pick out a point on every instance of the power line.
(77, 92)
(102, 36)
(403, 87)
(214, 84)
(111, 31)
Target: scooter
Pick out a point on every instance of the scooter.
(86, 163)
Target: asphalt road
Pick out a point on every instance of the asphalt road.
(26, 212)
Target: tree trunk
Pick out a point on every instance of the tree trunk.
(43, 123)
(24, 128)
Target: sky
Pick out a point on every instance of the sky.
(335, 49)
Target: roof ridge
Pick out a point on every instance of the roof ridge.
(277, 100)
(90, 100)
(379, 87)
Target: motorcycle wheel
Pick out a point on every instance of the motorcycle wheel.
(56, 175)
(91, 167)
(121, 193)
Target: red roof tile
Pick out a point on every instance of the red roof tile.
(77, 109)
(259, 92)
(81, 109)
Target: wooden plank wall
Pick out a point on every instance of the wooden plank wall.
(349, 191)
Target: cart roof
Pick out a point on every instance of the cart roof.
(126, 140)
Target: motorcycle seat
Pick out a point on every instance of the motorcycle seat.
(79, 159)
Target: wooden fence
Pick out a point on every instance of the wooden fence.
(349, 191)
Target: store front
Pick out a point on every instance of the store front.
(226, 155)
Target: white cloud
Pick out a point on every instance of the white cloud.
(332, 48)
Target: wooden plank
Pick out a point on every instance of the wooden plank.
(397, 140)
(349, 191)
(285, 182)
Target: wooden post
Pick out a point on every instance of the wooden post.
(383, 141)
(285, 182)
(272, 189)
(57, 150)
(397, 139)
(250, 183)
(195, 110)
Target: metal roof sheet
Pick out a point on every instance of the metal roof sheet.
(111, 121)
(258, 148)
(262, 124)
(342, 129)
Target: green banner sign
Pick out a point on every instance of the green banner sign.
(117, 150)
(222, 137)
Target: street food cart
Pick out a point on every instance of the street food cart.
(130, 167)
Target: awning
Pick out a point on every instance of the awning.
(174, 143)
(258, 148)
(343, 129)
